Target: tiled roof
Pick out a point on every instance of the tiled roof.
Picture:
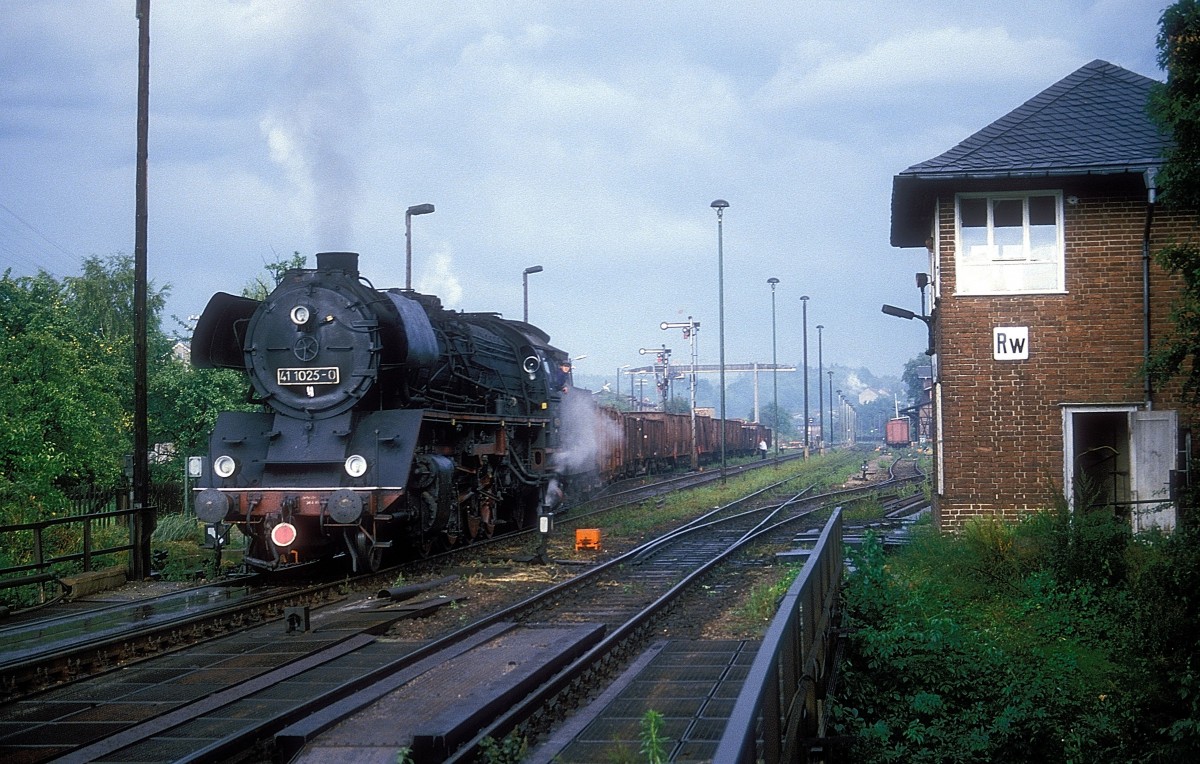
(1094, 121)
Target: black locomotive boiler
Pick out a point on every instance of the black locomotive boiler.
(385, 419)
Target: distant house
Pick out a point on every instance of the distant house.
(1040, 229)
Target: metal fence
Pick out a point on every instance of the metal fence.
(781, 702)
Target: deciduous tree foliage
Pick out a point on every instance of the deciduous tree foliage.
(66, 364)
(1176, 104)
(61, 408)
(914, 386)
(1176, 107)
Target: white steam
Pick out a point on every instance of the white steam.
(437, 276)
(312, 124)
(586, 436)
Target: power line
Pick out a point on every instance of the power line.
(34, 254)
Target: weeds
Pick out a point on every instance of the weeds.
(654, 744)
(1058, 638)
(762, 603)
(511, 750)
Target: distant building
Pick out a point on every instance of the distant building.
(1039, 229)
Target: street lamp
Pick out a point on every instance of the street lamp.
(892, 310)
(525, 287)
(774, 369)
(804, 303)
(842, 416)
(719, 205)
(820, 389)
(830, 373)
(416, 209)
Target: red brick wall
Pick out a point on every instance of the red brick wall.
(1001, 443)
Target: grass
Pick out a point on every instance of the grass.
(825, 471)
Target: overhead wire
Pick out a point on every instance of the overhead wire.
(24, 244)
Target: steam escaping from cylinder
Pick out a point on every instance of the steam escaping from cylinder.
(586, 436)
(553, 497)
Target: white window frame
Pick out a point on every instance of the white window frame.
(1007, 262)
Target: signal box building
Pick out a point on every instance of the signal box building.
(1040, 230)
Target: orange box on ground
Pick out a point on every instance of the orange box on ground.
(587, 538)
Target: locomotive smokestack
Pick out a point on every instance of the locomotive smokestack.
(346, 262)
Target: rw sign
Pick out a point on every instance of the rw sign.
(1010, 343)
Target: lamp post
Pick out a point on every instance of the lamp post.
(774, 370)
(804, 304)
(525, 287)
(830, 373)
(416, 209)
(842, 415)
(720, 205)
(892, 310)
(820, 389)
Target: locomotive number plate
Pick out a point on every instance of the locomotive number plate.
(319, 375)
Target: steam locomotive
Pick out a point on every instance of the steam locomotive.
(385, 420)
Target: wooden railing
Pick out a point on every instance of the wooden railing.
(43, 555)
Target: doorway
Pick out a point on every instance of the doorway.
(1121, 457)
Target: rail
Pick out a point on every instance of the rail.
(43, 556)
(781, 702)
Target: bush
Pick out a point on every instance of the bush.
(1060, 638)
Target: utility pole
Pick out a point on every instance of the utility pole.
(143, 517)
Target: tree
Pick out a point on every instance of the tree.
(264, 283)
(787, 425)
(66, 361)
(1176, 107)
(679, 405)
(100, 302)
(183, 405)
(914, 385)
(1176, 104)
(64, 421)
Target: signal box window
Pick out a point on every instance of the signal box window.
(1010, 244)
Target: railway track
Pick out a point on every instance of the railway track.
(261, 682)
(38, 653)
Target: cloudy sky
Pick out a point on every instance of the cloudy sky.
(585, 137)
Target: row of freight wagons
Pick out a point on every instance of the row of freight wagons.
(644, 442)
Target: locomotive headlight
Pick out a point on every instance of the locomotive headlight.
(224, 466)
(300, 315)
(356, 466)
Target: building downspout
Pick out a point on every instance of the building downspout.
(1151, 193)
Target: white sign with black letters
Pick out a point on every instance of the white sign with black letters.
(1010, 343)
